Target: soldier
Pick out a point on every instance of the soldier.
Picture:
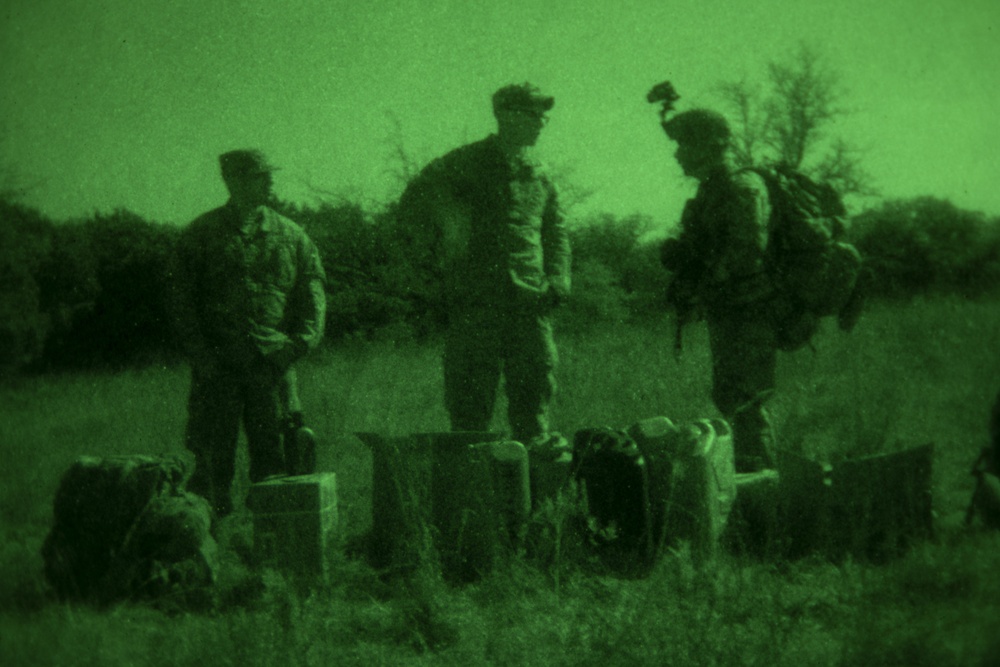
(986, 496)
(718, 267)
(249, 301)
(489, 215)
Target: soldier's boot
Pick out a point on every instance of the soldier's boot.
(753, 439)
(549, 446)
(300, 446)
(305, 442)
(850, 313)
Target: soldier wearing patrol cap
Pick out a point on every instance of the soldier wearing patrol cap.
(248, 299)
(717, 263)
(489, 215)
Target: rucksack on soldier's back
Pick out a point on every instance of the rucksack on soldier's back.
(815, 270)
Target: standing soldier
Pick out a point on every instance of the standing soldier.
(249, 301)
(986, 496)
(488, 214)
(718, 262)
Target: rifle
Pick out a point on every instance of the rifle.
(683, 315)
(674, 255)
(684, 302)
(682, 292)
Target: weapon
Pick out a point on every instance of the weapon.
(682, 291)
(682, 320)
(665, 94)
(673, 255)
(685, 305)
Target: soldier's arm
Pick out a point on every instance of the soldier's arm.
(309, 299)
(183, 298)
(434, 213)
(745, 213)
(557, 255)
(451, 182)
(414, 235)
(686, 257)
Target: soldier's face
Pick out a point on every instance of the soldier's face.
(521, 127)
(696, 158)
(252, 189)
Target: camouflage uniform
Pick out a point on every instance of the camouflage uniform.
(249, 301)
(498, 232)
(986, 496)
(719, 262)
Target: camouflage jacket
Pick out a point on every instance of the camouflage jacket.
(493, 224)
(722, 247)
(240, 289)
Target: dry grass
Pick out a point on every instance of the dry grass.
(926, 372)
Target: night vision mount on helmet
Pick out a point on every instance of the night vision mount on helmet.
(665, 94)
(693, 125)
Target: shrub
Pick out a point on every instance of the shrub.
(25, 236)
(93, 292)
(369, 277)
(128, 320)
(924, 245)
(617, 275)
(68, 288)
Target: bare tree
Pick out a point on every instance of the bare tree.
(752, 124)
(786, 121)
(572, 193)
(803, 96)
(841, 168)
(404, 165)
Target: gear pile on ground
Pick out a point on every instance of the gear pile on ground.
(125, 529)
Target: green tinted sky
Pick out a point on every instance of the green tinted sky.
(115, 103)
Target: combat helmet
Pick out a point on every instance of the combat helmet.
(698, 126)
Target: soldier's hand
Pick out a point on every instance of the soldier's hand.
(205, 366)
(283, 358)
(672, 254)
(680, 295)
(551, 299)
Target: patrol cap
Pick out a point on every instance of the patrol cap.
(698, 126)
(520, 97)
(245, 162)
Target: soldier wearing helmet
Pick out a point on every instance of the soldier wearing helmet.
(487, 216)
(718, 267)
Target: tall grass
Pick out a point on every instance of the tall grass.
(925, 372)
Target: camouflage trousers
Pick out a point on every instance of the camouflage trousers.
(288, 393)
(217, 404)
(484, 343)
(744, 361)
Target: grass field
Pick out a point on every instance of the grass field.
(909, 374)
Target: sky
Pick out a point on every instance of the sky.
(111, 104)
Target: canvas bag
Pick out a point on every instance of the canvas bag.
(815, 271)
(125, 528)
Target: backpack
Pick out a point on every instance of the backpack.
(652, 485)
(615, 478)
(815, 271)
(125, 529)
